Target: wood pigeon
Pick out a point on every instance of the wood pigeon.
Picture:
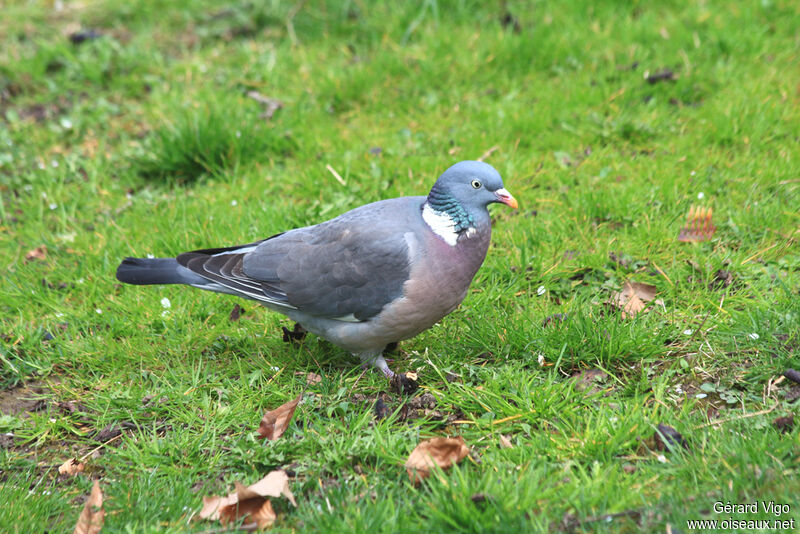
(375, 275)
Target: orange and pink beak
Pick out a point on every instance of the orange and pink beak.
(506, 198)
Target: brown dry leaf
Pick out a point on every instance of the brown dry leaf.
(71, 467)
(257, 511)
(271, 105)
(249, 502)
(313, 378)
(699, 225)
(443, 452)
(632, 298)
(505, 443)
(264, 516)
(275, 422)
(39, 253)
(92, 515)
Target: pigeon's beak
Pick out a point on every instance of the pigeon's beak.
(505, 197)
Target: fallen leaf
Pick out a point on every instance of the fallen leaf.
(663, 75)
(722, 279)
(667, 438)
(590, 380)
(249, 503)
(265, 516)
(478, 498)
(556, 317)
(275, 422)
(699, 225)
(71, 467)
(296, 335)
(271, 105)
(236, 312)
(629, 468)
(92, 516)
(39, 253)
(442, 452)
(784, 424)
(313, 378)
(381, 410)
(632, 298)
(505, 443)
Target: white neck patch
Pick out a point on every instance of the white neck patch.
(443, 225)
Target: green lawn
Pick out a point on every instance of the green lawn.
(607, 120)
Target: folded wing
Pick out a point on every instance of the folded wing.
(347, 268)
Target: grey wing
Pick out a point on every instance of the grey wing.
(223, 267)
(335, 269)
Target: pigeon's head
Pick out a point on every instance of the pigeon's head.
(472, 184)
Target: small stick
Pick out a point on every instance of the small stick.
(743, 416)
(488, 152)
(335, 174)
(85, 456)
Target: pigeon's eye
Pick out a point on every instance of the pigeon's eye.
(476, 184)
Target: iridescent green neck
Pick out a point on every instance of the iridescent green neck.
(444, 203)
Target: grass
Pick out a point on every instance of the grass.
(128, 145)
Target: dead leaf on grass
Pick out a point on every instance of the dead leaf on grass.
(249, 503)
(699, 226)
(71, 467)
(39, 253)
(590, 380)
(632, 298)
(667, 438)
(236, 312)
(784, 424)
(92, 516)
(313, 378)
(275, 422)
(505, 443)
(271, 105)
(443, 452)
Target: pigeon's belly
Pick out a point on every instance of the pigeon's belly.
(418, 310)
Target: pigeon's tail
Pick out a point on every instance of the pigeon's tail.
(147, 271)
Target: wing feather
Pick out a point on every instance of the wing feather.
(348, 268)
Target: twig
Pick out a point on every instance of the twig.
(759, 253)
(290, 21)
(335, 174)
(662, 273)
(700, 328)
(271, 105)
(85, 456)
(489, 152)
(736, 418)
(353, 387)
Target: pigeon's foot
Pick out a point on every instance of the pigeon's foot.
(294, 336)
(376, 360)
(400, 383)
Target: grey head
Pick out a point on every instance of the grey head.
(465, 190)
